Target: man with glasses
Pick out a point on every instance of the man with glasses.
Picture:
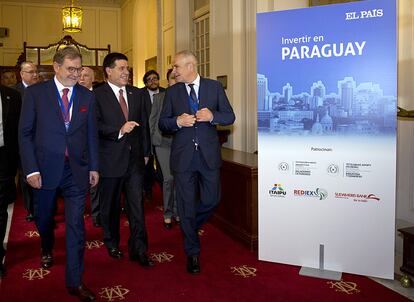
(151, 80)
(30, 76)
(58, 142)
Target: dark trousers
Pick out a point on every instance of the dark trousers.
(7, 195)
(94, 196)
(198, 193)
(110, 210)
(149, 175)
(44, 210)
(26, 192)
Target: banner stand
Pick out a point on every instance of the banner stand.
(321, 272)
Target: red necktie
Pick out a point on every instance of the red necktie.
(123, 104)
(65, 101)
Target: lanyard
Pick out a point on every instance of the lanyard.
(62, 107)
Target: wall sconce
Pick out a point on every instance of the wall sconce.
(72, 18)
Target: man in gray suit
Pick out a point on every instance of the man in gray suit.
(162, 144)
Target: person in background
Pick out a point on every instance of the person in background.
(151, 80)
(10, 103)
(58, 142)
(86, 79)
(191, 111)
(162, 145)
(124, 147)
(8, 78)
(29, 76)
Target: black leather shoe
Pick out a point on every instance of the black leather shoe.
(142, 259)
(82, 292)
(168, 225)
(97, 224)
(193, 265)
(29, 217)
(115, 253)
(46, 261)
(2, 270)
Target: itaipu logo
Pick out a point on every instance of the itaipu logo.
(277, 191)
(319, 193)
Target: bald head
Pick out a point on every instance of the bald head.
(87, 77)
(185, 66)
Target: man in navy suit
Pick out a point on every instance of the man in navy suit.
(124, 147)
(192, 108)
(59, 151)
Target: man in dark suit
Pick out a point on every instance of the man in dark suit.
(192, 108)
(10, 103)
(124, 147)
(59, 151)
(151, 80)
(30, 76)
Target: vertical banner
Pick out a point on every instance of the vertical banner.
(327, 96)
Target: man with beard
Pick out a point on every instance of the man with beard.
(151, 80)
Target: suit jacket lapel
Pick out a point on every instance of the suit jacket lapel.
(113, 100)
(130, 101)
(53, 97)
(202, 93)
(75, 107)
(183, 95)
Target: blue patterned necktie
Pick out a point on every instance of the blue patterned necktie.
(193, 97)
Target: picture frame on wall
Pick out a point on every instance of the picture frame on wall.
(151, 64)
(326, 2)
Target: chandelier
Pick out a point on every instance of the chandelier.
(72, 18)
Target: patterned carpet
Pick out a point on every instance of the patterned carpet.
(229, 272)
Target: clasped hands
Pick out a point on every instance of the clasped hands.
(188, 120)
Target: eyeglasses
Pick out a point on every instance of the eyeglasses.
(73, 69)
(153, 79)
(32, 72)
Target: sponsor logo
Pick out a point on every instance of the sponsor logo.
(319, 193)
(277, 191)
(333, 169)
(284, 167)
(357, 197)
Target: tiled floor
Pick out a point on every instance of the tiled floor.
(395, 285)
